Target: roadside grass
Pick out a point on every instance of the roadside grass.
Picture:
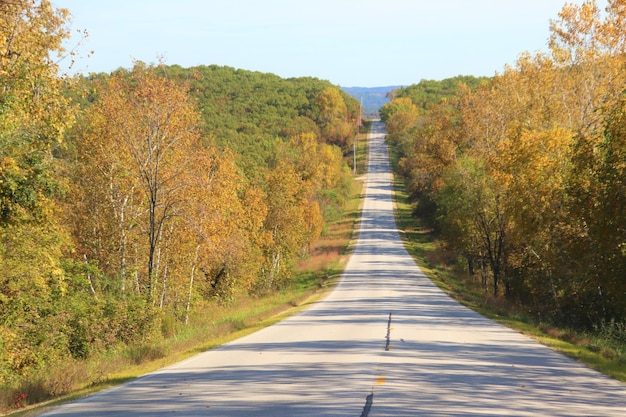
(601, 353)
(210, 326)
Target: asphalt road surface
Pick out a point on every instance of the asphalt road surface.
(386, 342)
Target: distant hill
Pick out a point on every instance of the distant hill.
(372, 98)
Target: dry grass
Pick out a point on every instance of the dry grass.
(320, 260)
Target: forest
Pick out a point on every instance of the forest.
(131, 200)
(522, 175)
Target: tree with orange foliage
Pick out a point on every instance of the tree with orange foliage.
(142, 129)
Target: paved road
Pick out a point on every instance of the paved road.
(386, 342)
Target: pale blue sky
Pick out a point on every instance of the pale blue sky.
(350, 43)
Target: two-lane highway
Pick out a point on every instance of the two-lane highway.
(385, 342)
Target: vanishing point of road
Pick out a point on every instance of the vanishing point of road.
(385, 342)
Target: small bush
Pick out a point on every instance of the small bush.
(139, 354)
(614, 331)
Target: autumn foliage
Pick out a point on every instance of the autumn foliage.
(523, 175)
(130, 201)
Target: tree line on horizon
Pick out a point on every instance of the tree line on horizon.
(133, 200)
(522, 175)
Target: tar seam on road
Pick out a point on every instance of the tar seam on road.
(388, 337)
(369, 400)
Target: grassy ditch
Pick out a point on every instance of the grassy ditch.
(600, 351)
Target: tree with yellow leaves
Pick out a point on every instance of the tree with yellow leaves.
(139, 137)
(34, 114)
(334, 119)
(532, 170)
(399, 115)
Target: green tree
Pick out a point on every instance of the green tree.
(33, 111)
(429, 93)
(33, 117)
(473, 212)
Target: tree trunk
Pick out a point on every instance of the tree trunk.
(496, 278)
(191, 280)
(483, 272)
(275, 269)
(164, 291)
(91, 287)
(123, 245)
(152, 237)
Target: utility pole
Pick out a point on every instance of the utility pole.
(358, 131)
